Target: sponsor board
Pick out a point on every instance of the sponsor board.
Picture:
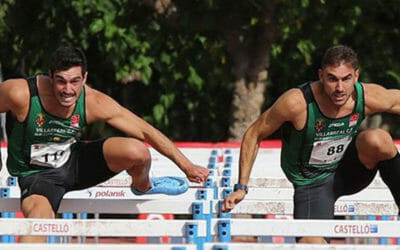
(107, 193)
(55, 228)
(345, 208)
(355, 229)
(117, 182)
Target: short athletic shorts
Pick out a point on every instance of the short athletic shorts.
(85, 168)
(317, 200)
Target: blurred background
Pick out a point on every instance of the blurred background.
(202, 70)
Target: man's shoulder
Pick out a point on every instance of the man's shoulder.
(15, 94)
(14, 81)
(15, 87)
(96, 97)
(372, 90)
(99, 106)
(291, 104)
(92, 94)
(371, 86)
(293, 97)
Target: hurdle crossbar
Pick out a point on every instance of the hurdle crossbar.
(310, 228)
(281, 193)
(207, 246)
(97, 246)
(132, 206)
(101, 227)
(113, 206)
(270, 246)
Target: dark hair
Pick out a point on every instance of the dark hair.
(66, 57)
(339, 54)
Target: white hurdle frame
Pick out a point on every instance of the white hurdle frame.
(101, 227)
(270, 246)
(266, 196)
(207, 246)
(236, 227)
(132, 206)
(74, 246)
(309, 228)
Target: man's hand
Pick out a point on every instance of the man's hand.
(197, 173)
(232, 200)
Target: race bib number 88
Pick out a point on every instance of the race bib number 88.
(52, 155)
(329, 151)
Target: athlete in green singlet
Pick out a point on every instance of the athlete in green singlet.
(324, 154)
(45, 151)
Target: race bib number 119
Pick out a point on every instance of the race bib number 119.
(52, 155)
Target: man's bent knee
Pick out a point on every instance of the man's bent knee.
(139, 155)
(125, 153)
(373, 146)
(37, 206)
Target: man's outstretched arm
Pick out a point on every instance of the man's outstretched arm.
(101, 107)
(288, 108)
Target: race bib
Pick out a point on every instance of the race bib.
(52, 155)
(329, 151)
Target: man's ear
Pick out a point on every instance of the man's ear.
(320, 74)
(85, 77)
(357, 74)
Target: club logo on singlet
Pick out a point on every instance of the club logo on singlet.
(319, 125)
(40, 121)
(353, 120)
(75, 121)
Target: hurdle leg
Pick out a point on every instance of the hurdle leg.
(96, 238)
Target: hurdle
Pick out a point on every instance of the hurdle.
(98, 246)
(272, 195)
(193, 231)
(224, 229)
(267, 195)
(180, 205)
(207, 246)
(268, 246)
(103, 227)
(305, 228)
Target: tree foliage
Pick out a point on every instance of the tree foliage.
(174, 79)
(174, 63)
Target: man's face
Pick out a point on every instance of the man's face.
(338, 82)
(67, 85)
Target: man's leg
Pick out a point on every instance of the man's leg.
(36, 206)
(41, 197)
(377, 151)
(314, 201)
(131, 155)
(375, 146)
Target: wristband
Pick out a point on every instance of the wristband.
(239, 186)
